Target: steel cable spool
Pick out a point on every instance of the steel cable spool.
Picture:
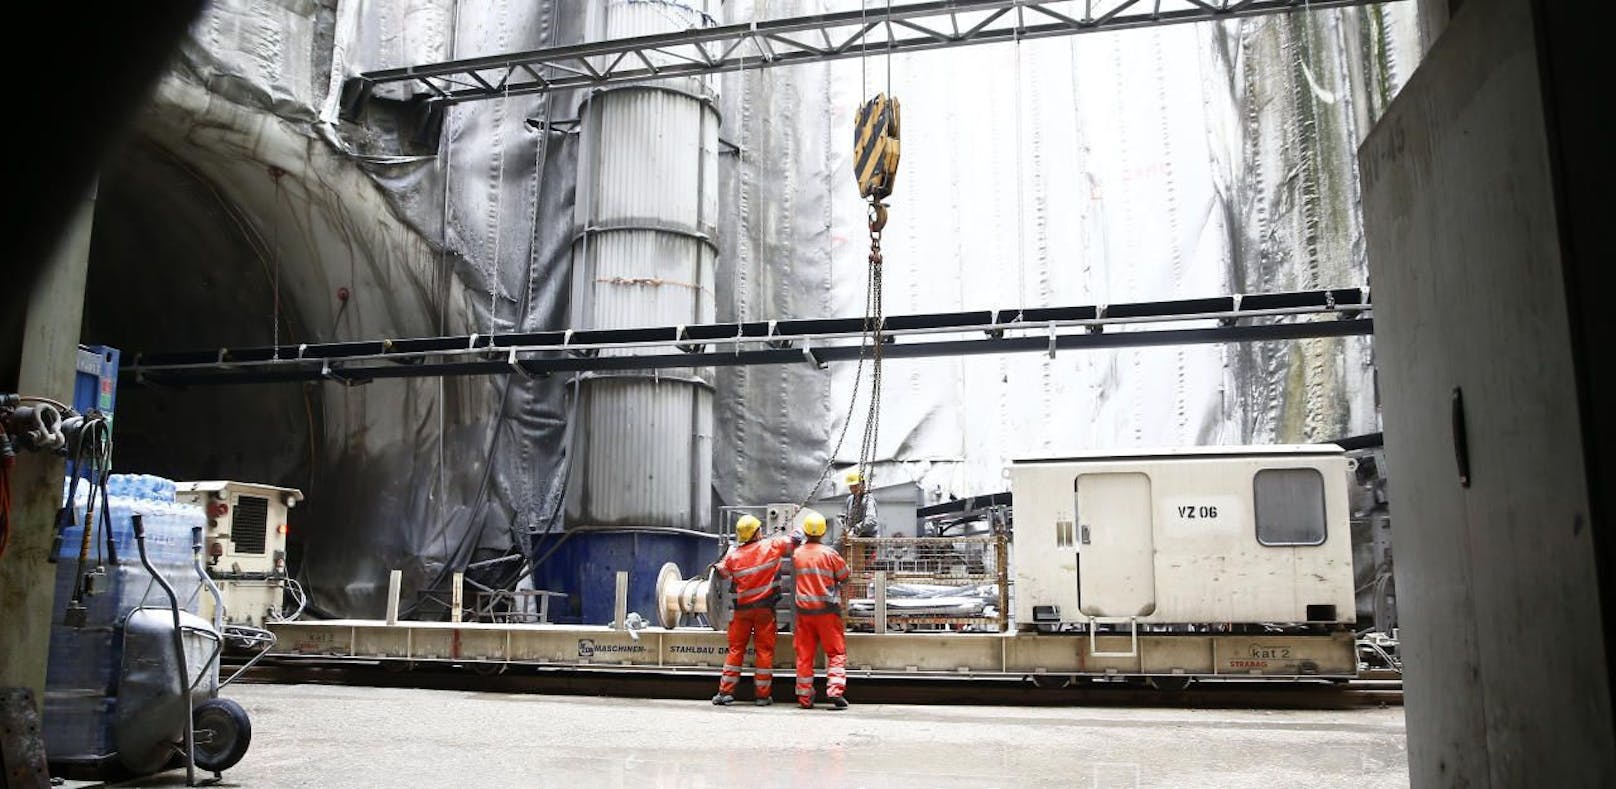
(678, 597)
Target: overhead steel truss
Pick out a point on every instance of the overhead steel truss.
(1223, 319)
(905, 27)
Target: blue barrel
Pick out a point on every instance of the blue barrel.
(584, 565)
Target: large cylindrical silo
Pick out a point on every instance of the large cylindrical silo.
(643, 255)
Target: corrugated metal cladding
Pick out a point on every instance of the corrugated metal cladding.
(645, 453)
(643, 278)
(653, 159)
(643, 255)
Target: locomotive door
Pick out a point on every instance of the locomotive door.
(1116, 545)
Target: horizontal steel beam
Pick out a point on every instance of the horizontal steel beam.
(902, 28)
(965, 505)
(1224, 319)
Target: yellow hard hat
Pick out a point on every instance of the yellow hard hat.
(747, 527)
(855, 478)
(813, 524)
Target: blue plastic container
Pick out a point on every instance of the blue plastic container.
(95, 380)
(584, 565)
(95, 384)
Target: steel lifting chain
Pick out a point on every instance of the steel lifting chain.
(875, 166)
(875, 328)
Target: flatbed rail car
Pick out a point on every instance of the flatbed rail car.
(919, 655)
(1217, 562)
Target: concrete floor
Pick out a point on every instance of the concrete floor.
(339, 736)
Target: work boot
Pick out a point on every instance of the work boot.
(838, 703)
(723, 700)
(763, 701)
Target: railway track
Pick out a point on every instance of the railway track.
(1372, 691)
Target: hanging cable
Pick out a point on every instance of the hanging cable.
(446, 278)
(864, 47)
(275, 174)
(1021, 189)
(890, 42)
(535, 238)
(474, 538)
(89, 458)
(499, 212)
(740, 182)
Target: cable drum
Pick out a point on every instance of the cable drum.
(678, 597)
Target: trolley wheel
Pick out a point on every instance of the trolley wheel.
(1171, 684)
(1051, 681)
(487, 668)
(223, 732)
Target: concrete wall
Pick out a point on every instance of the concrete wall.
(1498, 585)
(1574, 56)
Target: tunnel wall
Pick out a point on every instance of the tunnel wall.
(244, 212)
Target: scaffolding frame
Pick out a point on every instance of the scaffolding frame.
(812, 38)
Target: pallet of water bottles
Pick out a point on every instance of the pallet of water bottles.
(935, 583)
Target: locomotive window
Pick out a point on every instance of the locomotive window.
(1290, 506)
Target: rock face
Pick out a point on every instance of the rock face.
(1139, 165)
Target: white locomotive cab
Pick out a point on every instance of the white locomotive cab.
(1209, 535)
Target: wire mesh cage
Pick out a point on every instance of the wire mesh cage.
(928, 583)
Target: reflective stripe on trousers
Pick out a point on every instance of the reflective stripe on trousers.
(836, 679)
(755, 625)
(811, 632)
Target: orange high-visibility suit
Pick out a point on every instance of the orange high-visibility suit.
(754, 569)
(819, 571)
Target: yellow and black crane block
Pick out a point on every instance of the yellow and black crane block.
(875, 147)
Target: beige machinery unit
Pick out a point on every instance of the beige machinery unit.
(246, 546)
(1204, 536)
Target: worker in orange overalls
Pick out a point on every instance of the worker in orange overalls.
(753, 567)
(819, 571)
